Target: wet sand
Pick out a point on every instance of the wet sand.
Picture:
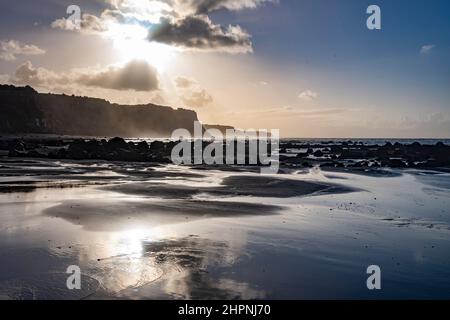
(166, 232)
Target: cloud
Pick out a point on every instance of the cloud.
(199, 33)
(89, 24)
(184, 83)
(135, 75)
(10, 49)
(308, 95)
(191, 93)
(184, 24)
(140, 10)
(207, 6)
(27, 74)
(294, 112)
(309, 113)
(198, 99)
(427, 49)
(4, 78)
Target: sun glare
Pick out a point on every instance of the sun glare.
(132, 44)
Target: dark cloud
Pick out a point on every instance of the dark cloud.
(135, 75)
(206, 6)
(198, 32)
(185, 24)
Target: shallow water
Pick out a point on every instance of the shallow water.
(134, 243)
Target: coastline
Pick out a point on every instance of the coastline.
(158, 231)
(153, 230)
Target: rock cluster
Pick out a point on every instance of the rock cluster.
(358, 155)
(292, 154)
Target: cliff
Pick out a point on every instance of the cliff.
(221, 128)
(24, 110)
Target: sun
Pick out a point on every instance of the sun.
(131, 43)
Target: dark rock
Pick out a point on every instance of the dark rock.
(318, 153)
(143, 147)
(306, 164)
(35, 154)
(157, 145)
(396, 163)
(13, 153)
(117, 143)
(17, 145)
(302, 155)
(328, 165)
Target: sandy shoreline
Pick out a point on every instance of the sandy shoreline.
(140, 231)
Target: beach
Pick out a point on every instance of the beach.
(160, 231)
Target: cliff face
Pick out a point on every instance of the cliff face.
(221, 128)
(23, 110)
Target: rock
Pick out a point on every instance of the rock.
(157, 145)
(77, 150)
(143, 147)
(16, 154)
(318, 153)
(396, 163)
(375, 164)
(306, 164)
(302, 155)
(17, 145)
(328, 165)
(35, 154)
(117, 143)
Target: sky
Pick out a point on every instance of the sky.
(310, 68)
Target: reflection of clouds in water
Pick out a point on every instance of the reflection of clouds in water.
(189, 266)
(126, 272)
(122, 263)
